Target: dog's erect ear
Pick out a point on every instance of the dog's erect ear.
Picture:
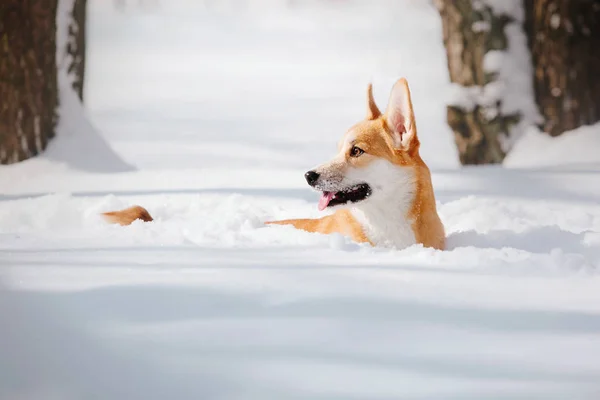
(372, 110)
(400, 117)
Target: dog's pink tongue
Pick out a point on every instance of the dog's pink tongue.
(325, 199)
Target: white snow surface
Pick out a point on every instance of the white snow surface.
(221, 107)
(574, 148)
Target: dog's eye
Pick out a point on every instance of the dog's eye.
(356, 151)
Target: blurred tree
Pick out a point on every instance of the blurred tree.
(471, 29)
(28, 81)
(28, 73)
(563, 40)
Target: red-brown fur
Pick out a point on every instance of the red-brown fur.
(128, 215)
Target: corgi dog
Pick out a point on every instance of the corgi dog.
(377, 185)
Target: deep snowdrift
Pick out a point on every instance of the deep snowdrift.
(222, 112)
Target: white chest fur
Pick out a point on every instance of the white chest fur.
(384, 216)
(385, 228)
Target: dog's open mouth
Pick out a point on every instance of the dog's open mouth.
(352, 194)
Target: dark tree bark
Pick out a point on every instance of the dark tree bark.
(564, 38)
(469, 33)
(564, 41)
(28, 79)
(76, 45)
(29, 91)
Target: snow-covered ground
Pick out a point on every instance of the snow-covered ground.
(221, 106)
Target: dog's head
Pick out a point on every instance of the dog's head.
(376, 158)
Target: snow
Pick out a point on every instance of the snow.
(513, 8)
(574, 148)
(516, 72)
(555, 21)
(221, 111)
(77, 145)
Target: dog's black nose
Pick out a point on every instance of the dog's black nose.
(311, 177)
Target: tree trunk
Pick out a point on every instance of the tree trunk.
(564, 37)
(28, 73)
(76, 45)
(471, 30)
(28, 80)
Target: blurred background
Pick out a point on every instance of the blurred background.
(235, 83)
(274, 83)
(257, 83)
